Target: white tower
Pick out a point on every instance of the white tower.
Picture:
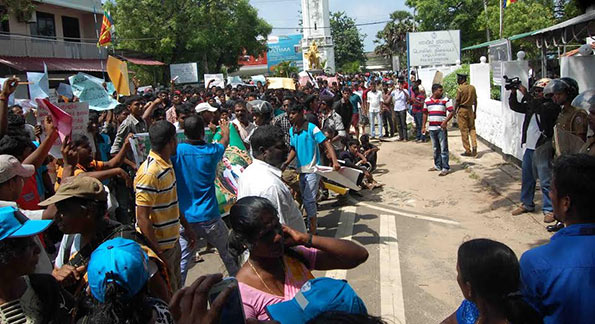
(317, 27)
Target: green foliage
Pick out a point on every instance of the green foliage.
(213, 33)
(450, 81)
(392, 39)
(351, 67)
(22, 9)
(349, 43)
(285, 69)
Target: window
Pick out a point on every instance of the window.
(70, 26)
(45, 25)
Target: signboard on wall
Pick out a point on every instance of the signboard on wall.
(184, 72)
(498, 53)
(434, 47)
(284, 48)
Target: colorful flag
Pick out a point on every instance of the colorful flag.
(506, 3)
(105, 35)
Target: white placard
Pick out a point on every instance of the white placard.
(184, 72)
(434, 47)
(80, 119)
(219, 80)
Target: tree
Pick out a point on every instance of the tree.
(392, 39)
(213, 33)
(285, 69)
(349, 42)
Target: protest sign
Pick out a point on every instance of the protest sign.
(87, 90)
(145, 89)
(110, 88)
(65, 90)
(235, 160)
(259, 78)
(234, 81)
(184, 72)
(281, 83)
(347, 177)
(39, 86)
(53, 96)
(118, 73)
(218, 80)
(69, 117)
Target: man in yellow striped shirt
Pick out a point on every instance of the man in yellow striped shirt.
(158, 216)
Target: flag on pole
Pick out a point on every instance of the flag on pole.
(105, 35)
(507, 3)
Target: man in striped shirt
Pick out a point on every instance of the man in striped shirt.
(157, 213)
(435, 111)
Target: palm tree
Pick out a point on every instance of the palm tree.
(392, 39)
(285, 69)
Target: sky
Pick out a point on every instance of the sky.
(285, 13)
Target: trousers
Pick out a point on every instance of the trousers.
(375, 115)
(400, 118)
(466, 120)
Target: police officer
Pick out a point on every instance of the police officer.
(466, 107)
(586, 101)
(538, 129)
(571, 119)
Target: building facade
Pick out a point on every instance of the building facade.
(317, 28)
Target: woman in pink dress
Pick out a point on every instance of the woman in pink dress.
(281, 258)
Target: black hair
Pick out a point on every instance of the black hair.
(93, 116)
(352, 142)
(184, 108)
(120, 108)
(436, 86)
(296, 109)
(194, 127)
(364, 138)
(266, 137)
(339, 317)
(15, 145)
(12, 248)
(161, 133)
(244, 217)
(117, 309)
(158, 113)
(574, 176)
(330, 131)
(132, 99)
(98, 208)
(309, 99)
(252, 94)
(493, 271)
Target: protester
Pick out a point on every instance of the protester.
(387, 112)
(434, 111)
(344, 108)
(400, 98)
(158, 216)
(466, 108)
(26, 297)
(330, 119)
(354, 159)
(242, 122)
(305, 138)
(281, 258)
(374, 99)
(417, 103)
(369, 150)
(195, 166)
(537, 139)
(488, 276)
(118, 276)
(558, 278)
(585, 101)
(263, 178)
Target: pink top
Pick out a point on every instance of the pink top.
(255, 300)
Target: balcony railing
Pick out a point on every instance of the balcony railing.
(24, 45)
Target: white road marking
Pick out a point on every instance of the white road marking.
(344, 231)
(404, 214)
(392, 305)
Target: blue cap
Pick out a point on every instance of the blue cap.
(14, 224)
(316, 297)
(121, 261)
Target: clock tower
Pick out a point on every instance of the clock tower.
(317, 28)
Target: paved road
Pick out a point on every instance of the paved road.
(412, 228)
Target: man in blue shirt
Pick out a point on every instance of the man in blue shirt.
(195, 165)
(558, 278)
(304, 139)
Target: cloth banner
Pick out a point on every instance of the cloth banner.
(118, 73)
(88, 90)
(40, 84)
(219, 80)
(259, 78)
(281, 83)
(235, 160)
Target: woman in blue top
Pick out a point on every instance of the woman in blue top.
(489, 277)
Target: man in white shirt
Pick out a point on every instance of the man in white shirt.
(263, 177)
(373, 101)
(400, 97)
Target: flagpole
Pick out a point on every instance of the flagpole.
(98, 47)
(501, 15)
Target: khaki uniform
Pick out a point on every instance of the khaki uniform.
(465, 100)
(574, 120)
(589, 147)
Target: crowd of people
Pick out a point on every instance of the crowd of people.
(93, 237)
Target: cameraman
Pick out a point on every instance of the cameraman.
(538, 130)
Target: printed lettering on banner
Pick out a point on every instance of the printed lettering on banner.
(434, 47)
(87, 90)
(219, 80)
(184, 72)
(79, 111)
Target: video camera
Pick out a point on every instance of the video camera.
(511, 83)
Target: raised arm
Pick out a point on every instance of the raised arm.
(119, 158)
(149, 110)
(38, 156)
(332, 253)
(8, 88)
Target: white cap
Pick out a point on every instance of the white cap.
(204, 106)
(11, 167)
